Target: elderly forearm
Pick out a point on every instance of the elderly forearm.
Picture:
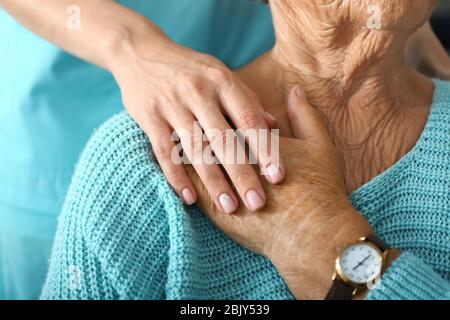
(106, 28)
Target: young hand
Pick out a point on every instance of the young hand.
(173, 87)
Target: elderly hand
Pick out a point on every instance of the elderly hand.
(170, 88)
(308, 218)
(426, 53)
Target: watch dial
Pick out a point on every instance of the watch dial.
(361, 263)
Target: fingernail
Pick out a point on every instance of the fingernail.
(188, 197)
(274, 174)
(227, 203)
(254, 200)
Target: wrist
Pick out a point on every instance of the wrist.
(132, 41)
(307, 262)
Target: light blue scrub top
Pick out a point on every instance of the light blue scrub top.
(51, 102)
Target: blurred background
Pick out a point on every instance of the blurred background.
(441, 22)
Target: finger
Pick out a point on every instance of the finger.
(306, 121)
(244, 112)
(270, 120)
(196, 149)
(231, 154)
(163, 147)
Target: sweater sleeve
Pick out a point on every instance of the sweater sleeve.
(409, 278)
(115, 213)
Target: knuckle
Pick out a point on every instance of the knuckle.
(220, 75)
(208, 60)
(242, 176)
(219, 138)
(174, 176)
(151, 107)
(193, 82)
(162, 152)
(213, 181)
(194, 144)
(168, 95)
(249, 119)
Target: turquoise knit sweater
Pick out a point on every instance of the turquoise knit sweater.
(123, 234)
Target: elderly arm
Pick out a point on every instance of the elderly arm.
(308, 219)
(300, 230)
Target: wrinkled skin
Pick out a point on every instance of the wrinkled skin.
(356, 81)
(306, 220)
(304, 224)
(375, 106)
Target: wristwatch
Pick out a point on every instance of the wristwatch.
(357, 266)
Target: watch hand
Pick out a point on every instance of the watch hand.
(361, 263)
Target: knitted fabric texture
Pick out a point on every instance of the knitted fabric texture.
(124, 234)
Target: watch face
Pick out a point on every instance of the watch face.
(360, 263)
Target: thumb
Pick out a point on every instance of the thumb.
(306, 121)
